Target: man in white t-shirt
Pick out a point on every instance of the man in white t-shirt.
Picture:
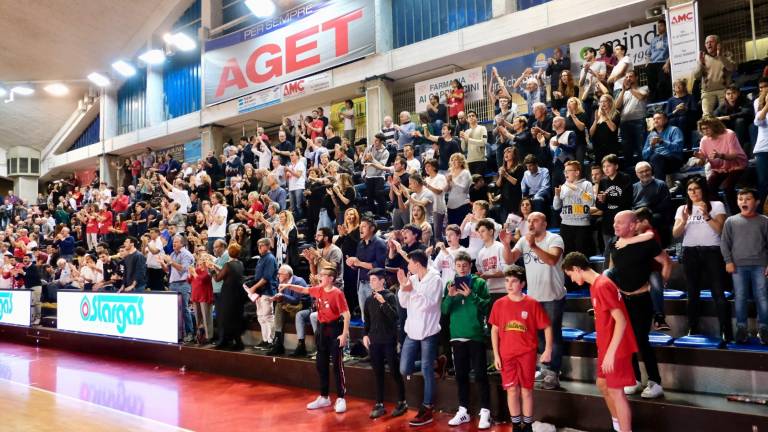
(621, 69)
(490, 258)
(412, 164)
(542, 253)
(216, 220)
(177, 193)
(154, 250)
(296, 174)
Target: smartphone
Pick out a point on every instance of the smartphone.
(460, 281)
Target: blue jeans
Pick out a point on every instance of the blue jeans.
(325, 220)
(744, 278)
(761, 160)
(297, 203)
(554, 310)
(363, 292)
(632, 141)
(186, 291)
(657, 292)
(408, 359)
(302, 317)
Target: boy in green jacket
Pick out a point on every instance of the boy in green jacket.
(466, 302)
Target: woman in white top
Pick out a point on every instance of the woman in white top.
(699, 222)
(216, 220)
(459, 181)
(437, 184)
(262, 152)
(296, 174)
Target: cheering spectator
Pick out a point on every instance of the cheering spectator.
(536, 184)
(761, 145)
(229, 305)
(682, 110)
(736, 114)
(614, 194)
(262, 291)
(178, 264)
(455, 101)
(658, 68)
(458, 180)
(574, 200)
(202, 295)
(663, 147)
(375, 162)
(714, 68)
(631, 100)
(721, 149)
(371, 252)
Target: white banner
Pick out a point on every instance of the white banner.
(307, 86)
(471, 79)
(313, 37)
(147, 316)
(683, 25)
(636, 39)
(259, 100)
(15, 307)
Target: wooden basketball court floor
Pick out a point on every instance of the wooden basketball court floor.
(45, 390)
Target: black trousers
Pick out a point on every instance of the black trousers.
(382, 353)
(704, 267)
(470, 355)
(329, 352)
(155, 279)
(659, 83)
(374, 188)
(640, 309)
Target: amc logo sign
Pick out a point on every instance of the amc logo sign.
(291, 54)
(294, 88)
(682, 18)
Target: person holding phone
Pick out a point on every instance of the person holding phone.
(466, 302)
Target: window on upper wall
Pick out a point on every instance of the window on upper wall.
(417, 20)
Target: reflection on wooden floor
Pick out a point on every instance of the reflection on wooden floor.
(28, 409)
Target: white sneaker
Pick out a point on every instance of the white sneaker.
(340, 406)
(539, 376)
(461, 417)
(630, 390)
(485, 419)
(320, 402)
(652, 391)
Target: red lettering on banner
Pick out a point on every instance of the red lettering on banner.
(682, 18)
(231, 68)
(292, 47)
(293, 88)
(341, 27)
(274, 65)
(292, 51)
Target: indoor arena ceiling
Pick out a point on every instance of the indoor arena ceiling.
(65, 40)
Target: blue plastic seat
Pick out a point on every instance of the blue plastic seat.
(577, 294)
(697, 341)
(590, 337)
(572, 334)
(753, 344)
(596, 259)
(670, 294)
(660, 339)
(356, 323)
(554, 230)
(707, 295)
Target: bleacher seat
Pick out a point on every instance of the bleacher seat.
(753, 344)
(670, 294)
(597, 259)
(697, 341)
(660, 339)
(590, 337)
(707, 295)
(572, 334)
(577, 294)
(554, 230)
(356, 322)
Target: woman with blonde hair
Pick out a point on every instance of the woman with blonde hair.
(419, 218)
(720, 147)
(605, 128)
(202, 295)
(285, 239)
(347, 240)
(342, 194)
(459, 181)
(576, 120)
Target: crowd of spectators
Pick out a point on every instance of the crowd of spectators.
(442, 202)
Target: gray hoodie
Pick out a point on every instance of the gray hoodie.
(576, 203)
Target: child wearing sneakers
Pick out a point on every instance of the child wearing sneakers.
(331, 336)
(516, 319)
(615, 338)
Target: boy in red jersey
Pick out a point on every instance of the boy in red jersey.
(615, 338)
(516, 319)
(331, 335)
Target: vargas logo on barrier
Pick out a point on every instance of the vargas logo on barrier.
(6, 303)
(113, 309)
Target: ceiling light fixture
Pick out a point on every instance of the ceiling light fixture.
(57, 89)
(180, 41)
(261, 8)
(23, 90)
(98, 79)
(124, 68)
(153, 57)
